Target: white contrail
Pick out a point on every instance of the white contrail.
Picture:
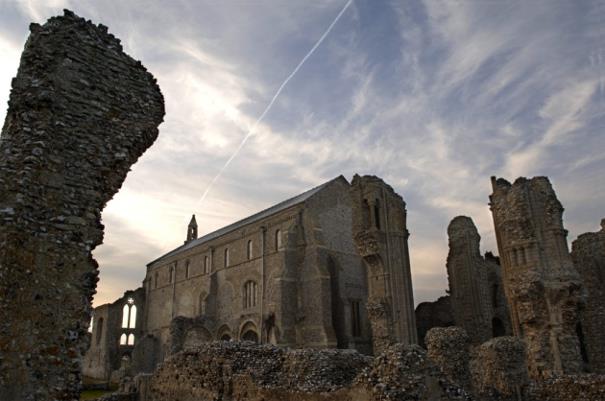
(279, 90)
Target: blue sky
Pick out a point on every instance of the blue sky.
(433, 96)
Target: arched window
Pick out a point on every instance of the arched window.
(377, 214)
(123, 339)
(99, 330)
(170, 273)
(125, 314)
(278, 242)
(129, 315)
(226, 257)
(249, 294)
(249, 249)
(131, 339)
(206, 265)
(187, 269)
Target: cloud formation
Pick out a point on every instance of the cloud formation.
(434, 96)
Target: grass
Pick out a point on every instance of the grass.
(92, 394)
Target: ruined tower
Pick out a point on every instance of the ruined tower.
(191, 230)
(588, 254)
(542, 287)
(81, 112)
(381, 237)
(474, 285)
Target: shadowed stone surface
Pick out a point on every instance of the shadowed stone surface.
(243, 371)
(433, 314)
(81, 112)
(476, 294)
(588, 254)
(543, 289)
(381, 237)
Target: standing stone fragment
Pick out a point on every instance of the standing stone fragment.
(543, 288)
(588, 254)
(81, 112)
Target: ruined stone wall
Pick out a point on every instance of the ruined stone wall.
(448, 348)
(542, 287)
(587, 387)
(242, 371)
(433, 314)
(381, 236)
(499, 370)
(468, 277)
(588, 254)
(81, 112)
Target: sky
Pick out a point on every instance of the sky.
(433, 96)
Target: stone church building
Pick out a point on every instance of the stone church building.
(290, 275)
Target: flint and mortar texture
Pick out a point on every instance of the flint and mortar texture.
(81, 112)
(381, 237)
(474, 282)
(588, 254)
(498, 369)
(244, 371)
(449, 347)
(543, 289)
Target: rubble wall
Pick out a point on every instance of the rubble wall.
(81, 112)
(448, 348)
(542, 287)
(588, 254)
(433, 314)
(244, 371)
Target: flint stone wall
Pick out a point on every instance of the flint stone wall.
(449, 347)
(244, 371)
(498, 369)
(81, 112)
(589, 387)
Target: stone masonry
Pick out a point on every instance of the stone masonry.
(543, 288)
(433, 314)
(588, 254)
(381, 236)
(475, 288)
(81, 112)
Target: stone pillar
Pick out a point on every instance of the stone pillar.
(542, 287)
(381, 237)
(81, 112)
(588, 254)
(468, 281)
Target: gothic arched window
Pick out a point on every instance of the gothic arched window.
(129, 315)
(123, 339)
(131, 339)
(278, 242)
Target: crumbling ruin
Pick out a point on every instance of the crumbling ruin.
(381, 237)
(476, 294)
(542, 287)
(433, 314)
(81, 112)
(588, 254)
(244, 371)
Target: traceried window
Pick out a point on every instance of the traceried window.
(129, 315)
(249, 249)
(250, 294)
(278, 242)
(226, 257)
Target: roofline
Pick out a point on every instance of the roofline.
(237, 224)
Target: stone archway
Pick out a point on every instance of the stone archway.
(224, 333)
(249, 332)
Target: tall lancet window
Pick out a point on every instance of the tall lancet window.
(129, 315)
